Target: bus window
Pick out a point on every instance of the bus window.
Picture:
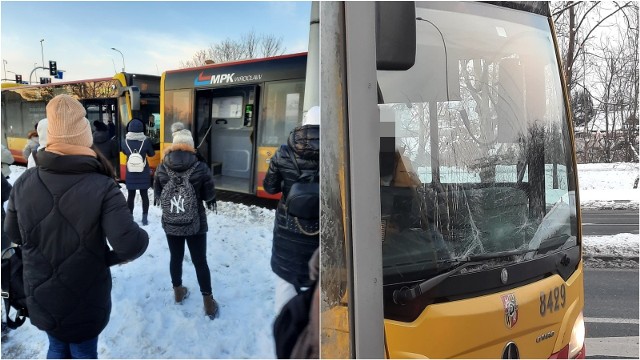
(178, 108)
(282, 111)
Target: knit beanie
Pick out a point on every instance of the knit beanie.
(312, 117)
(135, 125)
(177, 126)
(183, 137)
(67, 122)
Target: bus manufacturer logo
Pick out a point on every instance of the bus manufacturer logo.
(510, 310)
(545, 336)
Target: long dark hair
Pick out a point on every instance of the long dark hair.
(105, 165)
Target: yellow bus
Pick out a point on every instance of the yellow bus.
(116, 100)
(239, 113)
(450, 210)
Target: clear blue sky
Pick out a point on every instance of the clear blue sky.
(154, 36)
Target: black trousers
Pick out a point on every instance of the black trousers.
(144, 194)
(198, 249)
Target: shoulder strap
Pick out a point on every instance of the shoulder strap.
(127, 143)
(292, 154)
(141, 145)
(295, 163)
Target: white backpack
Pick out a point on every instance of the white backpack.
(135, 162)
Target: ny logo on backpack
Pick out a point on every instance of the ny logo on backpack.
(135, 162)
(179, 202)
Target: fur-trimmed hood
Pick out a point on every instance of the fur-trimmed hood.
(179, 157)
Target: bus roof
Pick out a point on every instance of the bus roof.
(246, 72)
(232, 63)
(536, 7)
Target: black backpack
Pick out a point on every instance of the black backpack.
(179, 202)
(13, 287)
(291, 321)
(303, 199)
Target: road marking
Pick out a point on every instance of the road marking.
(608, 224)
(624, 346)
(611, 320)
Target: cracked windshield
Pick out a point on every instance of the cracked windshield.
(472, 159)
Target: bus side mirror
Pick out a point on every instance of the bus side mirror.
(134, 95)
(395, 35)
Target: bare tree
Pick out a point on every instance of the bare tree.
(248, 46)
(601, 68)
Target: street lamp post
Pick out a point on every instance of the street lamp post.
(42, 51)
(123, 66)
(4, 67)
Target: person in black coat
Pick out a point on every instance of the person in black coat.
(293, 245)
(136, 140)
(180, 157)
(106, 144)
(62, 212)
(6, 190)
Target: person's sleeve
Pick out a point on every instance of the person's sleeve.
(207, 187)
(11, 227)
(6, 189)
(128, 241)
(159, 179)
(149, 146)
(273, 180)
(125, 149)
(7, 158)
(26, 151)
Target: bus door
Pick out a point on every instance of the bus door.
(225, 135)
(280, 112)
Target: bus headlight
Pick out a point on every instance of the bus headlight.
(576, 343)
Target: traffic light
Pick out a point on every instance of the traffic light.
(18, 79)
(53, 69)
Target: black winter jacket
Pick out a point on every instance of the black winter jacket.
(62, 213)
(292, 249)
(107, 146)
(180, 158)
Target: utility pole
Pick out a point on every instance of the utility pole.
(4, 67)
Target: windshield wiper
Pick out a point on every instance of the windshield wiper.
(405, 294)
(499, 254)
(401, 296)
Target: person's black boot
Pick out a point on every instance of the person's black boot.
(144, 219)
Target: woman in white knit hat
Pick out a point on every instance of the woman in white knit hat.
(180, 160)
(62, 212)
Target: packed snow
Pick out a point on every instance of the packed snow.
(146, 323)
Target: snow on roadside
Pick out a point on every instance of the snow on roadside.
(608, 186)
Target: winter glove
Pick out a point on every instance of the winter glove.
(211, 205)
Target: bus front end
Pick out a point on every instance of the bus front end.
(481, 242)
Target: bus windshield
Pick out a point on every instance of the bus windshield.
(475, 152)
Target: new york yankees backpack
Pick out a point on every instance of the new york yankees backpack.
(179, 203)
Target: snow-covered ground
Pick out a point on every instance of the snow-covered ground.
(145, 322)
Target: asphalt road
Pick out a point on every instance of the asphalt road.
(611, 313)
(609, 222)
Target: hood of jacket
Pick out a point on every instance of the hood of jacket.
(305, 141)
(179, 157)
(100, 136)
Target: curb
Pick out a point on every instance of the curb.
(611, 257)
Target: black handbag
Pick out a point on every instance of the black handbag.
(303, 199)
